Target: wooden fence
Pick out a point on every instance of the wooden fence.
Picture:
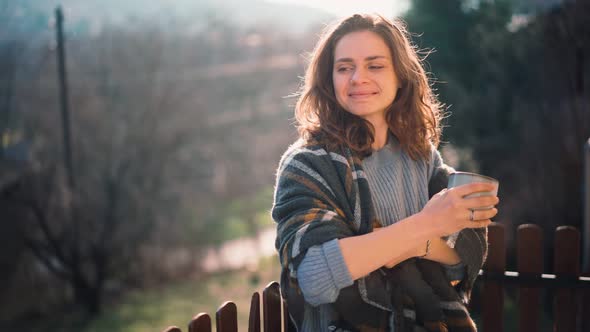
(571, 292)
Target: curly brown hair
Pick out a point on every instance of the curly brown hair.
(413, 117)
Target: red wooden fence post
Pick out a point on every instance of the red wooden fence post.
(567, 265)
(271, 307)
(254, 317)
(226, 317)
(585, 310)
(493, 293)
(529, 264)
(172, 329)
(200, 323)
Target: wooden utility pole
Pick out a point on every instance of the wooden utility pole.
(64, 100)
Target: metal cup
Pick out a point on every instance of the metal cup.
(461, 178)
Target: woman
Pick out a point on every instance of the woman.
(366, 160)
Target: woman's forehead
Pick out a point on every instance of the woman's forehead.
(361, 45)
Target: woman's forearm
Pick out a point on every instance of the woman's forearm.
(393, 244)
(440, 252)
(445, 213)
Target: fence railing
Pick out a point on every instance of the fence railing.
(274, 317)
(571, 292)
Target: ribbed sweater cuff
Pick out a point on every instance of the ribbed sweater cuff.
(338, 268)
(323, 273)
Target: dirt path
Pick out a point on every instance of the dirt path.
(241, 252)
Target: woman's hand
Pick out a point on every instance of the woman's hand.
(449, 211)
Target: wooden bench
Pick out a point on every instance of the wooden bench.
(571, 292)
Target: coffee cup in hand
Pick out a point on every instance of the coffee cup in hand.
(461, 178)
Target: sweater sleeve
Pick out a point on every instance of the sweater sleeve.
(323, 273)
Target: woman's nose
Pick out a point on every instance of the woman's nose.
(358, 76)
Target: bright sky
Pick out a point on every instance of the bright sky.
(388, 8)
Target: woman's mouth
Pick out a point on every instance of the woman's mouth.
(362, 94)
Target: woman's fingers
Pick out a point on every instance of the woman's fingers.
(479, 224)
(453, 211)
(481, 201)
(470, 188)
(479, 218)
(479, 215)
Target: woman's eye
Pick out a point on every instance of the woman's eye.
(376, 67)
(343, 69)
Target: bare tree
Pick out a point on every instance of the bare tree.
(165, 135)
(128, 147)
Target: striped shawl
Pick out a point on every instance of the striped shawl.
(322, 195)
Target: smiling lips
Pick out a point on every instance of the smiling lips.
(362, 94)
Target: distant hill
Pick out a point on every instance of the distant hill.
(178, 15)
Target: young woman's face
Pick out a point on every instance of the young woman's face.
(364, 79)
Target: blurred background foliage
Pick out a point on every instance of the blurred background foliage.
(180, 113)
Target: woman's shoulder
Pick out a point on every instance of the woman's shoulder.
(312, 154)
(435, 157)
(303, 150)
(305, 146)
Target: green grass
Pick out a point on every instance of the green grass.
(228, 220)
(176, 303)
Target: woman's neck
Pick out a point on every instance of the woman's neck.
(381, 133)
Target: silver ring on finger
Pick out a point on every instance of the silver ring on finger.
(471, 214)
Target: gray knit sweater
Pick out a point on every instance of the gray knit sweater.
(324, 194)
(322, 272)
(396, 184)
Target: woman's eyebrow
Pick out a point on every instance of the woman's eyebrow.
(369, 58)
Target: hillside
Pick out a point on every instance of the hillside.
(182, 16)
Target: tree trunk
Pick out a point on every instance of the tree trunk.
(88, 295)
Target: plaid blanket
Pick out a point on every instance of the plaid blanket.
(322, 195)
